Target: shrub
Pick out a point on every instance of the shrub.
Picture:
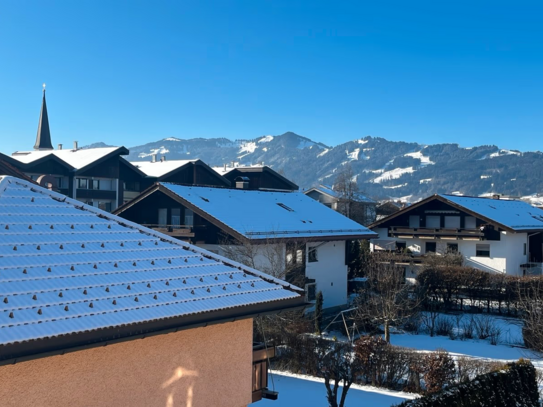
(515, 385)
(439, 370)
(444, 326)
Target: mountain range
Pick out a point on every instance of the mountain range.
(382, 168)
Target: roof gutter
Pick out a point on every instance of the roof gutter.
(60, 345)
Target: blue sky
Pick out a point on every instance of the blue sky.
(129, 72)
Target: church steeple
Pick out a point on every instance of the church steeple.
(43, 139)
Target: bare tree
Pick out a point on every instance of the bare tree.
(349, 199)
(339, 364)
(386, 298)
(530, 295)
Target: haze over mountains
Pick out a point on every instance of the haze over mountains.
(383, 168)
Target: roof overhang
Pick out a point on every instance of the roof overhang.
(59, 345)
(119, 151)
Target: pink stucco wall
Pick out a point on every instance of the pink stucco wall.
(198, 367)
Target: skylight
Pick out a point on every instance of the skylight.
(285, 207)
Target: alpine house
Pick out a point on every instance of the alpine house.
(285, 234)
(97, 310)
(493, 234)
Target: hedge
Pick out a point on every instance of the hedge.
(513, 386)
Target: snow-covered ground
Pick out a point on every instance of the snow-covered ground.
(306, 391)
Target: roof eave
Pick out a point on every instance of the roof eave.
(118, 151)
(59, 345)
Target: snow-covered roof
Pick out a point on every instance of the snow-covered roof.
(513, 214)
(225, 170)
(160, 168)
(76, 159)
(269, 215)
(509, 214)
(71, 269)
(329, 190)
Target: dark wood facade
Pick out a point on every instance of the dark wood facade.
(261, 178)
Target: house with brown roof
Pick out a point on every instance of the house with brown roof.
(98, 311)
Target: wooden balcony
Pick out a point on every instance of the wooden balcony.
(403, 232)
(177, 231)
(261, 356)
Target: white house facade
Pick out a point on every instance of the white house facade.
(285, 234)
(494, 235)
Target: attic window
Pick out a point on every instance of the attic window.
(204, 199)
(493, 207)
(285, 207)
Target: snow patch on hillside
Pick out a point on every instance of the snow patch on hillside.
(172, 139)
(265, 139)
(486, 176)
(324, 152)
(425, 181)
(393, 174)
(248, 147)
(380, 171)
(396, 186)
(160, 150)
(353, 155)
(424, 160)
(501, 153)
(362, 141)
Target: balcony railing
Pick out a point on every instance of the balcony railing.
(407, 232)
(179, 231)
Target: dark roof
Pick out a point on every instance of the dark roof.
(43, 138)
(8, 169)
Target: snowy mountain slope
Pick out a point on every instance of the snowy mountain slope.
(382, 168)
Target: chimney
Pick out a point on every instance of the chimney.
(153, 158)
(496, 196)
(60, 147)
(225, 166)
(75, 145)
(232, 164)
(163, 158)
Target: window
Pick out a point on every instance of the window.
(310, 292)
(189, 217)
(452, 247)
(90, 203)
(452, 222)
(82, 183)
(312, 255)
(95, 184)
(176, 217)
(401, 246)
(430, 247)
(433, 222)
(105, 206)
(131, 186)
(414, 221)
(470, 223)
(162, 216)
(59, 182)
(482, 250)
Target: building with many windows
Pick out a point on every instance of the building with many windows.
(493, 234)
